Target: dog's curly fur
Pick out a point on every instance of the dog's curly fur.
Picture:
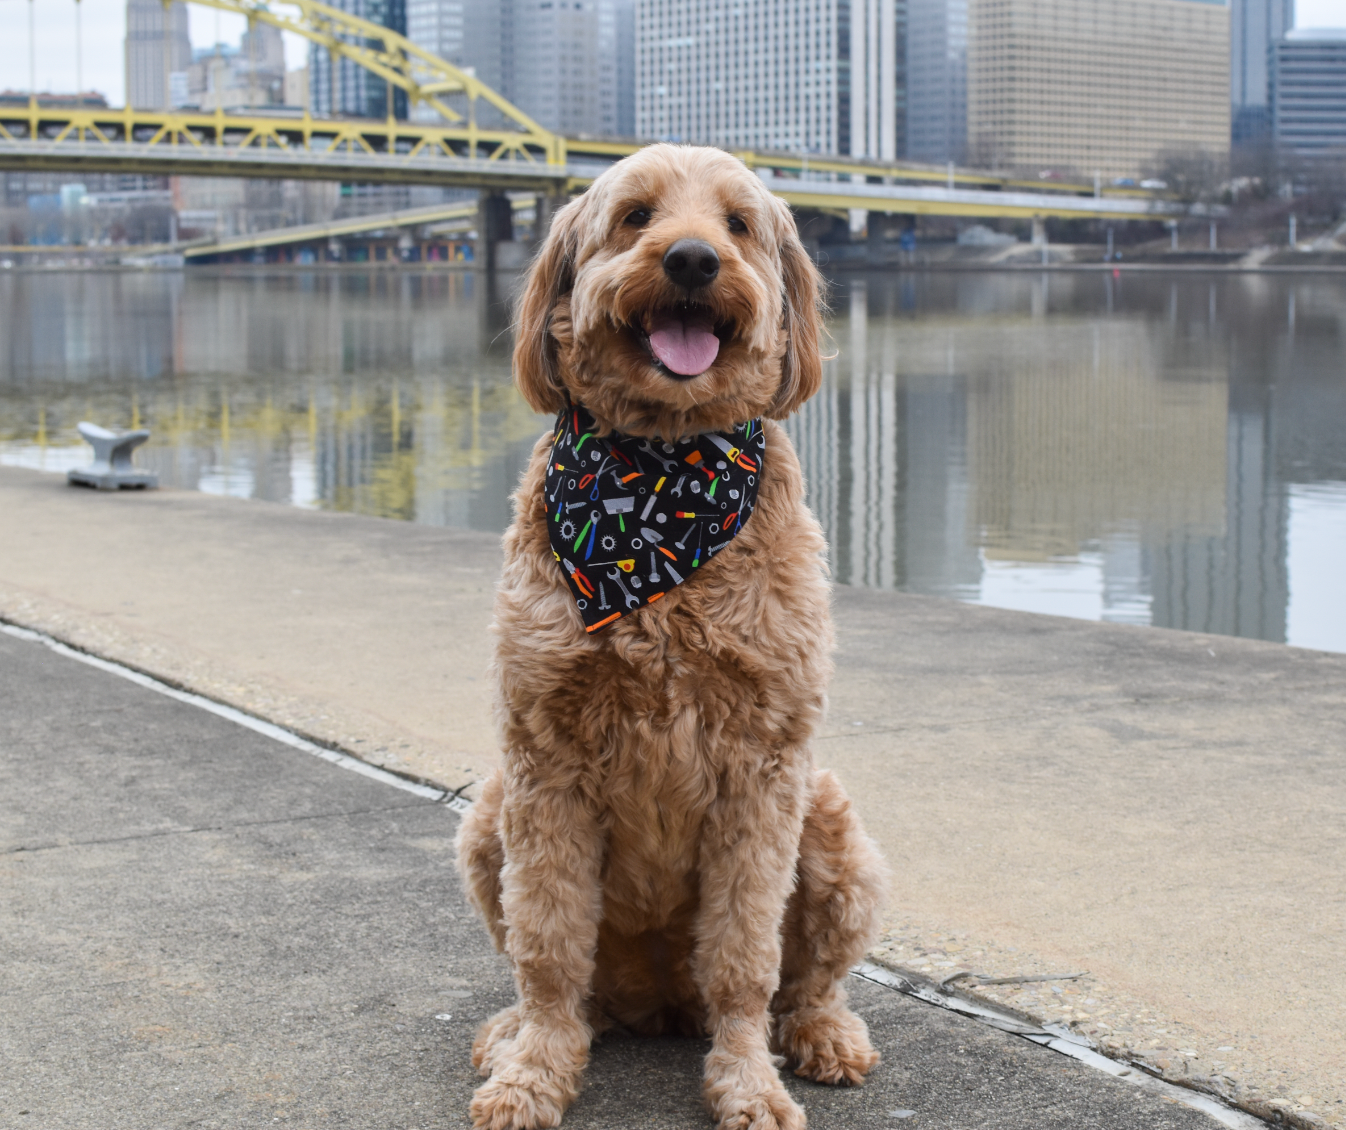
(657, 849)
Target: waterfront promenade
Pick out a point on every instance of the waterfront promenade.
(1160, 810)
(205, 927)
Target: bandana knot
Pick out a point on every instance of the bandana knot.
(630, 518)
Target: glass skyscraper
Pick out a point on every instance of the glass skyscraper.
(1254, 27)
(1308, 93)
(341, 86)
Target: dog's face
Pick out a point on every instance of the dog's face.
(673, 297)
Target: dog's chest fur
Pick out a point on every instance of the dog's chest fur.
(651, 718)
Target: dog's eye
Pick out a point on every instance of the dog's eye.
(736, 224)
(638, 219)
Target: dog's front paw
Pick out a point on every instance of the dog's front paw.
(520, 1099)
(535, 1076)
(774, 1110)
(747, 1095)
(827, 1045)
(493, 1037)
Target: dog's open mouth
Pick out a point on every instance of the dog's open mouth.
(683, 340)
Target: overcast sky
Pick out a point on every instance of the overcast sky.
(104, 23)
(104, 29)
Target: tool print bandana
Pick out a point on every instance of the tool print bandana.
(630, 518)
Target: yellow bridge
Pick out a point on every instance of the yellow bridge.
(509, 151)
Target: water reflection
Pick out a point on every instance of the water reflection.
(380, 394)
(1123, 448)
(1146, 449)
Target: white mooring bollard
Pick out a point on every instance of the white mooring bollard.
(111, 468)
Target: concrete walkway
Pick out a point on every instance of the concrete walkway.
(206, 928)
(1162, 810)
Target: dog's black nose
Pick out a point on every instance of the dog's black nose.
(691, 263)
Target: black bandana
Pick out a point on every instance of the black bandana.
(630, 518)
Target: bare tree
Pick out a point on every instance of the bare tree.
(1194, 176)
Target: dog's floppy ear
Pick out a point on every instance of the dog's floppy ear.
(551, 275)
(802, 366)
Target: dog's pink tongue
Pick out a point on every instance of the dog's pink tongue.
(684, 342)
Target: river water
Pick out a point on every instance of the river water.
(1143, 448)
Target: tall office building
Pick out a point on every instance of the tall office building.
(817, 76)
(1096, 86)
(1308, 93)
(562, 61)
(466, 33)
(872, 121)
(626, 68)
(568, 64)
(1254, 26)
(337, 85)
(937, 80)
(157, 47)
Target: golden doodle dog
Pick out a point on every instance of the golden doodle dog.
(657, 849)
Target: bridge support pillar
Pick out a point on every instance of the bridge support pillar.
(1039, 231)
(495, 225)
(547, 205)
(876, 237)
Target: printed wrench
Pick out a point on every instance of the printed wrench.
(669, 465)
(677, 490)
(631, 601)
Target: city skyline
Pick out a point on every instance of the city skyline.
(104, 21)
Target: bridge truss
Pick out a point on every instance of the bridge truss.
(301, 147)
